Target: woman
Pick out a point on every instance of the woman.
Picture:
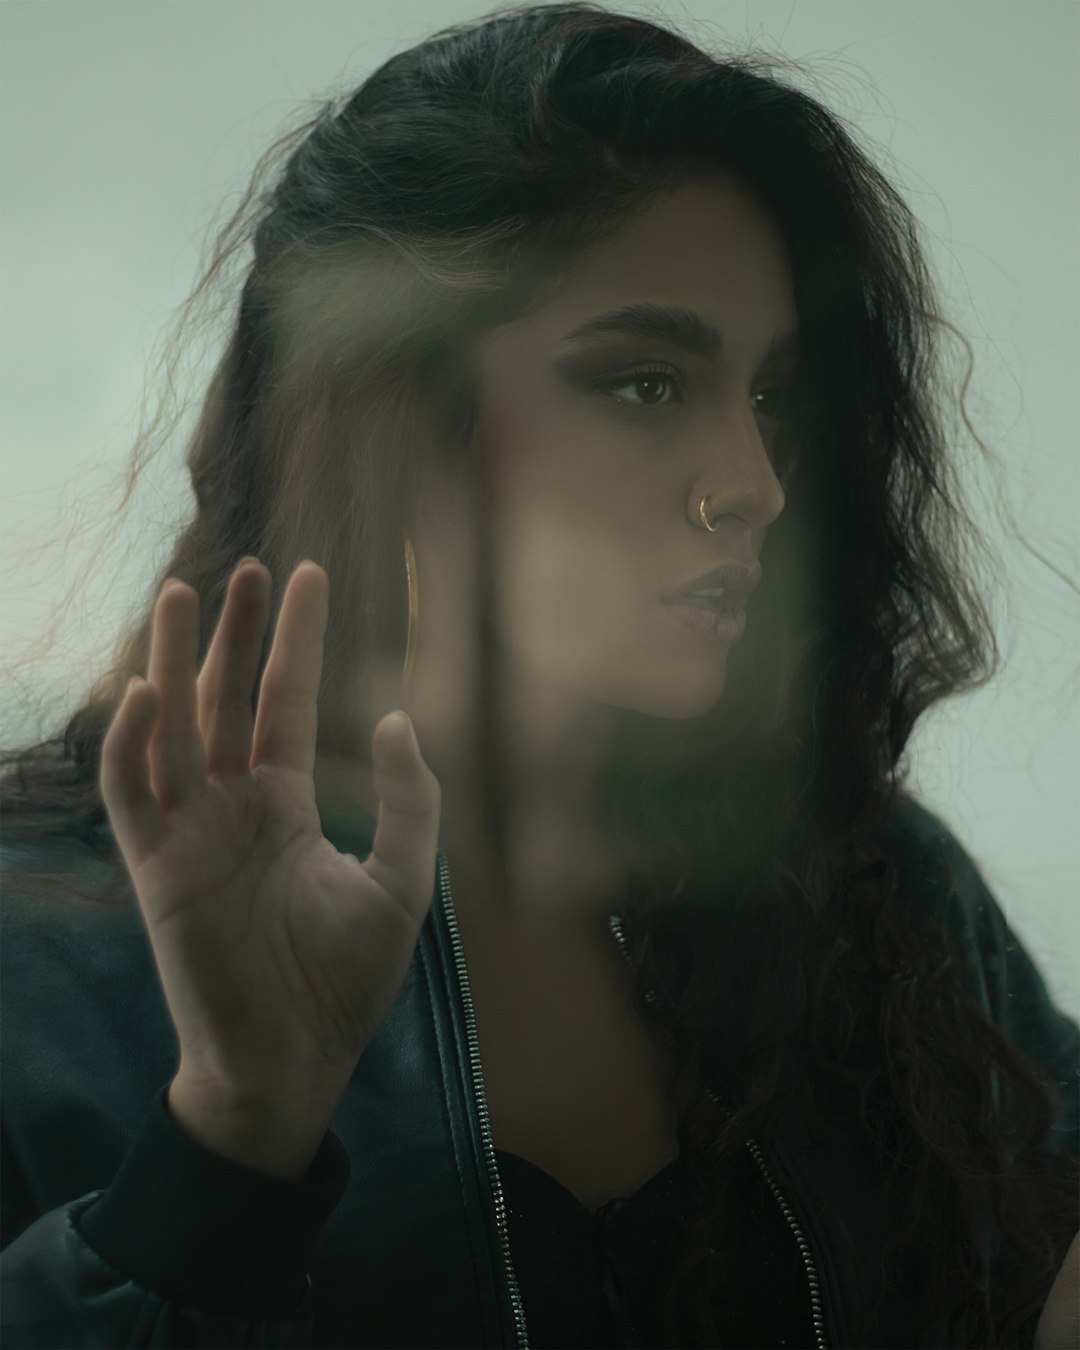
(582, 403)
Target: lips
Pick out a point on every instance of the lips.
(737, 579)
(730, 603)
(723, 619)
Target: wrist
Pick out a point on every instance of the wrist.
(277, 1136)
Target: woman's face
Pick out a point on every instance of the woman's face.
(604, 445)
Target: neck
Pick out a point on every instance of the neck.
(562, 873)
(559, 866)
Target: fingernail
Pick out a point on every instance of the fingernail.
(248, 557)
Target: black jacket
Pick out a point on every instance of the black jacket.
(118, 1230)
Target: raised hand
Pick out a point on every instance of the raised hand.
(278, 955)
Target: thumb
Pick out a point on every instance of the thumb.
(410, 801)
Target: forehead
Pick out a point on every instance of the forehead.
(708, 246)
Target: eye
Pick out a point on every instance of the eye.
(652, 376)
(787, 409)
(780, 402)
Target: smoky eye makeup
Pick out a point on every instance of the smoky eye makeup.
(616, 382)
(589, 372)
(779, 380)
(583, 368)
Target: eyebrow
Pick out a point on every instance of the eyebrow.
(678, 327)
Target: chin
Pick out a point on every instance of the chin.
(679, 710)
(672, 700)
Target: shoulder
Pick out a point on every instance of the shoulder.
(939, 882)
(924, 846)
(938, 879)
(71, 925)
(87, 1034)
(77, 968)
(50, 857)
(941, 885)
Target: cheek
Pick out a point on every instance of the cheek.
(553, 451)
(568, 587)
(570, 553)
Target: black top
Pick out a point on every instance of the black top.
(595, 1279)
(588, 1279)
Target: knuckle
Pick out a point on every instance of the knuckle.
(230, 702)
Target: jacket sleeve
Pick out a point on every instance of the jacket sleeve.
(183, 1248)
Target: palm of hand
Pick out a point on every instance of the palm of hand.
(276, 939)
(279, 955)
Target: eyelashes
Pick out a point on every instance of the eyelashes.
(785, 402)
(786, 406)
(633, 377)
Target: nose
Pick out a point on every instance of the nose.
(740, 480)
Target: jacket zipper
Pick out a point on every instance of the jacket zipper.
(480, 1098)
(817, 1311)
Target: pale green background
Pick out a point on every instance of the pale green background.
(128, 126)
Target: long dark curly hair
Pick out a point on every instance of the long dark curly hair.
(443, 196)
